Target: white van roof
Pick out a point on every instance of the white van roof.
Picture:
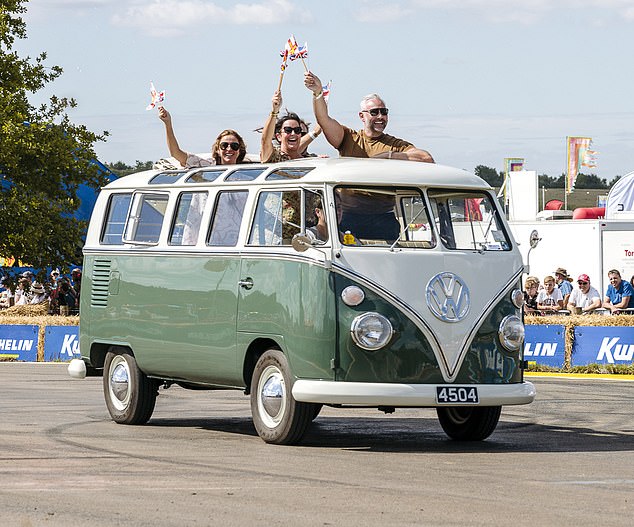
(330, 170)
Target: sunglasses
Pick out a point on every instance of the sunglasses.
(293, 130)
(376, 111)
(582, 283)
(234, 146)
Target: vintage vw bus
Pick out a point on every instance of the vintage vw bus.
(341, 282)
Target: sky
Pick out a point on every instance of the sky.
(471, 81)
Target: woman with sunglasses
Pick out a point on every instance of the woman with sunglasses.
(293, 141)
(228, 149)
(370, 141)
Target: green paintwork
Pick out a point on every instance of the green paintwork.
(187, 318)
(409, 358)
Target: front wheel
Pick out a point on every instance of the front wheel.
(278, 418)
(469, 423)
(130, 394)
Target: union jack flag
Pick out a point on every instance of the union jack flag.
(301, 52)
(325, 90)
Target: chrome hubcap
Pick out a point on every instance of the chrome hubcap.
(272, 396)
(120, 383)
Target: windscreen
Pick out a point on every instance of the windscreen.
(468, 220)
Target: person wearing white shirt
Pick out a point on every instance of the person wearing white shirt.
(586, 298)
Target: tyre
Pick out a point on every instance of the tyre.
(469, 423)
(278, 418)
(130, 394)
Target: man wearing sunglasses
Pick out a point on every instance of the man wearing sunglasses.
(371, 141)
(288, 132)
(586, 298)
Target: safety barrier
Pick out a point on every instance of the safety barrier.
(32, 342)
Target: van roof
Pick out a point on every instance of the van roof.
(327, 170)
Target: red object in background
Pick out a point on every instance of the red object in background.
(554, 204)
(588, 213)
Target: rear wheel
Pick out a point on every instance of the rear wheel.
(278, 418)
(130, 394)
(469, 423)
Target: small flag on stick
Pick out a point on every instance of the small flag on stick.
(157, 97)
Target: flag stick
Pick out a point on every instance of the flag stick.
(279, 85)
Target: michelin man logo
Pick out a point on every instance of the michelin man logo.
(448, 297)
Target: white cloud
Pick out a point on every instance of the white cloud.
(173, 17)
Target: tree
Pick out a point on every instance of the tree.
(44, 157)
(121, 169)
(490, 175)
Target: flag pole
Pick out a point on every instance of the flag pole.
(279, 84)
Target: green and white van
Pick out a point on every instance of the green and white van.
(340, 282)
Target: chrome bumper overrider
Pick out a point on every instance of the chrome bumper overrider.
(389, 394)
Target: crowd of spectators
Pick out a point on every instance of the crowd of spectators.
(556, 295)
(60, 293)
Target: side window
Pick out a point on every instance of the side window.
(115, 219)
(189, 213)
(277, 218)
(227, 217)
(146, 218)
(316, 224)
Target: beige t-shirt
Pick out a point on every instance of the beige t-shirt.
(357, 144)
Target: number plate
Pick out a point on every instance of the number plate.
(457, 395)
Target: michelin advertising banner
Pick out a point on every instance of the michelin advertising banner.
(544, 344)
(603, 345)
(61, 343)
(19, 342)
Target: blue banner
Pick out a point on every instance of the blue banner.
(19, 342)
(61, 343)
(544, 344)
(603, 345)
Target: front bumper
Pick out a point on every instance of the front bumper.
(397, 394)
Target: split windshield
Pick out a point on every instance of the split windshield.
(461, 220)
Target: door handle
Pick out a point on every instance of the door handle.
(247, 283)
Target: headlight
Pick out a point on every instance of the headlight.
(517, 297)
(352, 295)
(511, 332)
(371, 331)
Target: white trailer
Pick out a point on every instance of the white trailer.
(592, 246)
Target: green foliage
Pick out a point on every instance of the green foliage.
(490, 175)
(43, 160)
(614, 369)
(121, 169)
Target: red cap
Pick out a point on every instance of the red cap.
(583, 278)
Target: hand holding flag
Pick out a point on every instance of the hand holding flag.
(157, 97)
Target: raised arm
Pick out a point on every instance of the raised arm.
(266, 147)
(333, 131)
(413, 154)
(172, 143)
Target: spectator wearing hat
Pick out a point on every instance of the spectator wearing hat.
(54, 277)
(23, 292)
(585, 298)
(39, 293)
(619, 292)
(564, 283)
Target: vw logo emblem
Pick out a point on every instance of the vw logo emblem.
(448, 297)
